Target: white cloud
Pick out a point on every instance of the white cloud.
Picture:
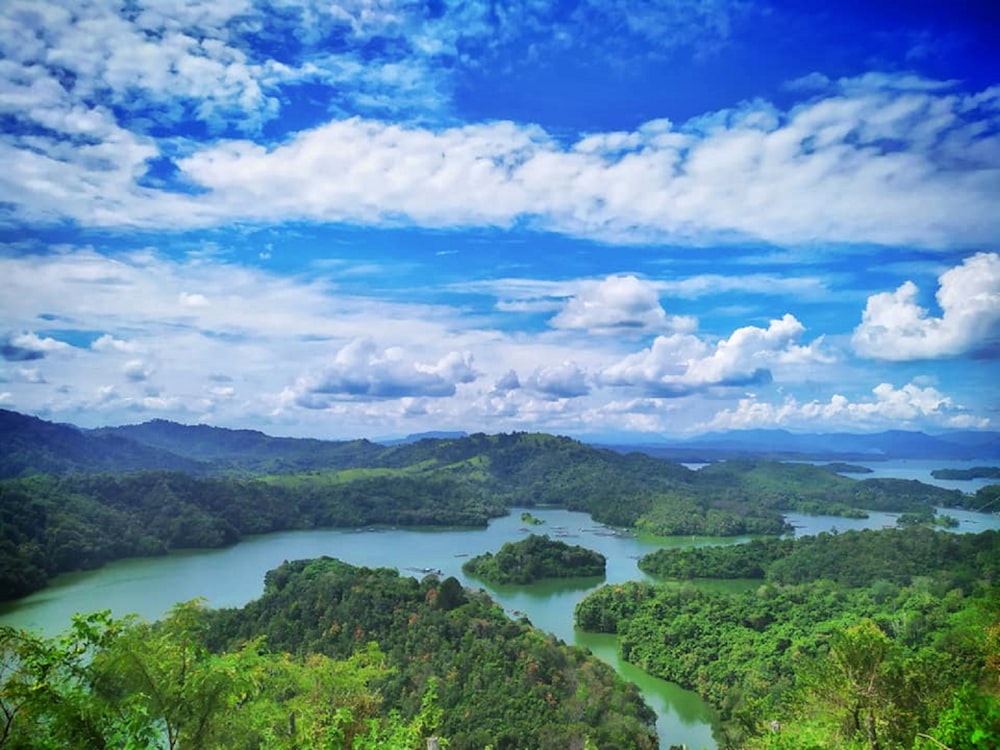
(563, 380)
(618, 304)
(894, 327)
(875, 159)
(299, 355)
(361, 370)
(108, 343)
(259, 335)
(911, 405)
(137, 370)
(507, 382)
(28, 345)
(193, 300)
(30, 375)
(680, 364)
(701, 285)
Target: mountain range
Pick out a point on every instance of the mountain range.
(32, 445)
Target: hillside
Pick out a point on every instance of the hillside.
(872, 639)
(246, 451)
(78, 500)
(500, 683)
(331, 656)
(29, 445)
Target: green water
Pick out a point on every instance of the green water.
(235, 575)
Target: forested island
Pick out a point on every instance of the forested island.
(535, 558)
(875, 639)
(976, 472)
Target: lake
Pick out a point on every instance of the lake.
(921, 468)
(233, 576)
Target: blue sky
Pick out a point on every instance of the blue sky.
(613, 220)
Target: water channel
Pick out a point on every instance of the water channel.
(233, 576)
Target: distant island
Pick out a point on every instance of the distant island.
(534, 559)
(531, 520)
(976, 472)
(839, 467)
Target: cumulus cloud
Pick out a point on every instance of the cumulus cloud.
(507, 382)
(681, 364)
(565, 380)
(874, 159)
(617, 304)
(909, 405)
(819, 171)
(137, 370)
(895, 327)
(361, 370)
(27, 346)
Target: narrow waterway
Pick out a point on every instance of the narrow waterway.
(233, 576)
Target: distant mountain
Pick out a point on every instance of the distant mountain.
(245, 450)
(221, 484)
(29, 445)
(416, 437)
(781, 444)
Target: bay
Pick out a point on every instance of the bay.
(233, 576)
(921, 468)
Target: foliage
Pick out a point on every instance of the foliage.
(535, 558)
(975, 472)
(51, 524)
(854, 558)
(126, 684)
(868, 640)
(987, 498)
(532, 520)
(498, 682)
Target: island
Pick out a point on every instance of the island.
(975, 472)
(839, 467)
(533, 559)
(531, 520)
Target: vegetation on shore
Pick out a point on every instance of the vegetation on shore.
(331, 657)
(535, 558)
(499, 682)
(883, 640)
(975, 472)
(53, 524)
(874, 640)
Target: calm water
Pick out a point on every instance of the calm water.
(921, 469)
(233, 576)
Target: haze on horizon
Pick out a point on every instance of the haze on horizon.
(607, 220)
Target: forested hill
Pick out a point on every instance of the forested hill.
(500, 683)
(77, 500)
(872, 640)
(29, 445)
(247, 450)
(331, 656)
